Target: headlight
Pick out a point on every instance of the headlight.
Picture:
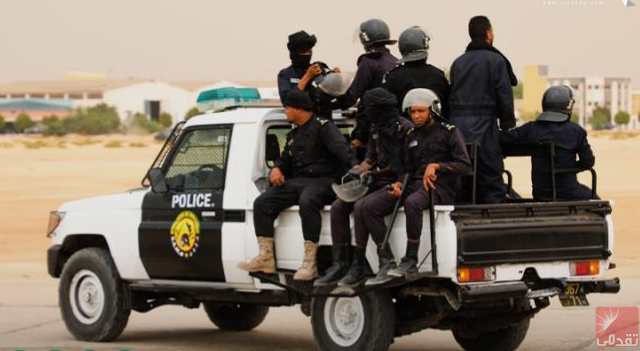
(55, 218)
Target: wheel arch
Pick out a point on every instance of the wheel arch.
(72, 244)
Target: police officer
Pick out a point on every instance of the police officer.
(413, 71)
(569, 139)
(304, 75)
(384, 163)
(481, 81)
(301, 176)
(372, 65)
(436, 159)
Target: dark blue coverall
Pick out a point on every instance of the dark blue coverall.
(480, 94)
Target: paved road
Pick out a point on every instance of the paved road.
(30, 320)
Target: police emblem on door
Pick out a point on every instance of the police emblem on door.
(185, 234)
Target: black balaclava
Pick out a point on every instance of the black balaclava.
(300, 42)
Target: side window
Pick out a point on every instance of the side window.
(274, 143)
(199, 161)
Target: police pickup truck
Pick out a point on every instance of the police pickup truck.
(485, 270)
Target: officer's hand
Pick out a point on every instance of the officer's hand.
(313, 70)
(276, 177)
(336, 70)
(355, 143)
(396, 190)
(429, 178)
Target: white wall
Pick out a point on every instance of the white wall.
(131, 99)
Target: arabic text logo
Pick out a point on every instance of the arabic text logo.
(617, 326)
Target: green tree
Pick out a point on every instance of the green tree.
(575, 118)
(98, 119)
(165, 119)
(604, 112)
(23, 121)
(1, 122)
(517, 91)
(192, 112)
(53, 125)
(622, 118)
(598, 120)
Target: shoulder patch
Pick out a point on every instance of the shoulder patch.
(322, 121)
(384, 78)
(410, 130)
(448, 127)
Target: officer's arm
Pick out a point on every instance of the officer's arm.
(285, 161)
(586, 159)
(516, 134)
(459, 162)
(337, 145)
(504, 94)
(284, 86)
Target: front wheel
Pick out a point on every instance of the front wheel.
(92, 297)
(364, 322)
(500, 340)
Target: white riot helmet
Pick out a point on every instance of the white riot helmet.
(335, 84)
(425, 98)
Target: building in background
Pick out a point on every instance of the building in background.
(612, 93)
(635, 109)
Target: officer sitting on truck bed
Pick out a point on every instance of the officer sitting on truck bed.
(314, 156)
(569, 140)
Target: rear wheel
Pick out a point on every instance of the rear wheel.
(93, 299)
(364, 322)
(236, 316)
(500, 340)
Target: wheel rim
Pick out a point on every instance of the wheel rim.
(344, 320)
(86, 296)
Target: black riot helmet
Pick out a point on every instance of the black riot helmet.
(557, 104)
(413, 44)
(375, 32)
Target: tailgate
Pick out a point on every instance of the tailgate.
(531, 232)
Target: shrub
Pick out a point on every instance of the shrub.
(165, 119)
(98, 119)
(140, 122)
(23, 121)
(1, 122)
(598, 121)
(192, 112)
(54, 126)
(622, 118)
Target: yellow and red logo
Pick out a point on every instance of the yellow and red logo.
(185, 234)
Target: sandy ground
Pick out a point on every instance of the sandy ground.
(38, 174)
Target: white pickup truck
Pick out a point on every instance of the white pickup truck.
(486, 269)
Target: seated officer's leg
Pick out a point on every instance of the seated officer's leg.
(414, 207)
(358, 270)
(314, 195)
(266, 208)
(380, 205)
(340, 236)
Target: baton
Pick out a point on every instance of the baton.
(395, 212)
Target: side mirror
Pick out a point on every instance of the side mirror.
(158, 183)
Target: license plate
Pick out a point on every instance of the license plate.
(573, 295)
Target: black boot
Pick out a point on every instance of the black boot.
(339, 267)
(408, 266)
(358, 270)
(387, 263)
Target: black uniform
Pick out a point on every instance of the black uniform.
(480, 93)
(438, 143)
(314, 156)
(372, 67)
(370, 211)
(417, 74)
(570, 140)
(288, 79)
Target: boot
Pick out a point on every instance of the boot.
(387, 263)
(338, 269)
(264, 262)
(408, 266)
(309, 270)
(358, 270)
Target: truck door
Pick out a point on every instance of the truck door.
(180, 232)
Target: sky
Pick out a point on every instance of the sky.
(246, 40)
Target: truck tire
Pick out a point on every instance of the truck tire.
(500, 340)
(236, 316)
(93, 299)
(364, 322)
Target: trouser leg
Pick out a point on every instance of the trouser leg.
(268, 206)
(314, 195)
(378, 205)
(340, 226)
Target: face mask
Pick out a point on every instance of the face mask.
(300, 61)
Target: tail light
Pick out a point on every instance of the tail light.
(476, 274)
(584, 268)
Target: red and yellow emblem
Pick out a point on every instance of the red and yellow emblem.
(185, 234)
